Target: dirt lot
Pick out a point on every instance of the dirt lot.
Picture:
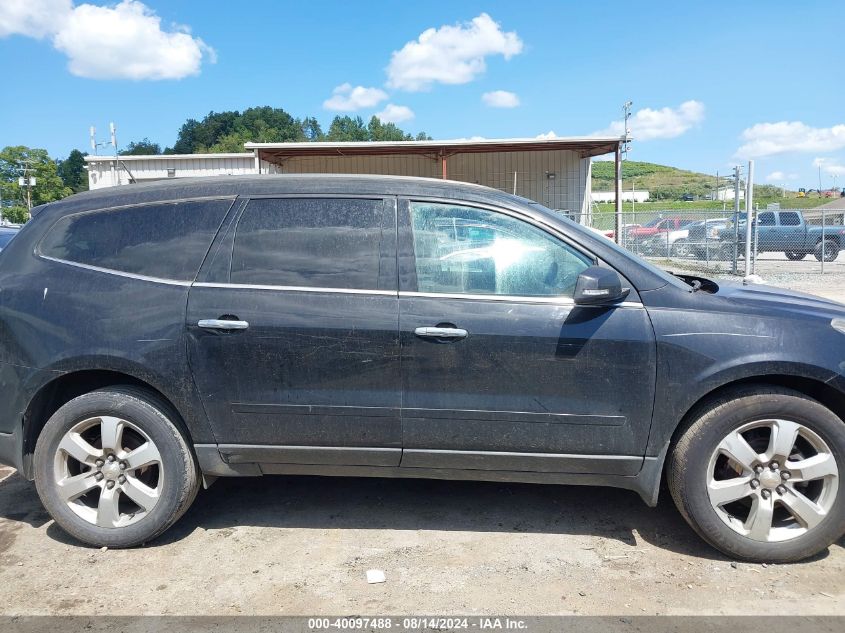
(284, 545)
(297, 546)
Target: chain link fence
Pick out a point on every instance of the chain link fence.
(783, 242)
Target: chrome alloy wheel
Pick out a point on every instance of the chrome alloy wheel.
(772, 480)
(108, 471)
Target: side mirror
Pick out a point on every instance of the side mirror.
(599, 286)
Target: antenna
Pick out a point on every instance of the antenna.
(93, 132)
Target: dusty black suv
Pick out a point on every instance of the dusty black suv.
(155, 337)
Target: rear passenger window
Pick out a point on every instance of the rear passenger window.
(790, 218)
(167, 241)
(309, 242)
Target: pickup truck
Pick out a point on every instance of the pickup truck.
(787, 232)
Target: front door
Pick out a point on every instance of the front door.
(500, 370)
(293, 340)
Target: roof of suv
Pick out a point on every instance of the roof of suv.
(225, 186)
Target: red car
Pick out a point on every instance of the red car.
(657, 225)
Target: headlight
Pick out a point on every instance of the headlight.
(838, 324)
(713, 233)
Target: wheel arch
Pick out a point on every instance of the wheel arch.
(67, 386)
(818, 390)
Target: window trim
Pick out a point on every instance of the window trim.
(37, 252)
(405, 221)
(385, 199)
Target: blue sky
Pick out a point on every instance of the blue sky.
(712, 83)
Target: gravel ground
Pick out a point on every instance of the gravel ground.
(302, 546)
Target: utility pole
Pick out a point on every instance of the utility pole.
(625, 146)
(749, 199)
(737, 175)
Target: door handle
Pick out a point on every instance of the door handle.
(440, 332)
(222, 324)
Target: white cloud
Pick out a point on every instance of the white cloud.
(648, 124)
(829, 166)
(123, 41)
(395, 114)
(32, 18)
(500, 99)
(548, 135)
(345, 98)
(766, 139)
(451, 54)
(779, 176)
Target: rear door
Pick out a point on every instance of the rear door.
(293, 333)
(768, 232)
(792, 232)
(500, 370)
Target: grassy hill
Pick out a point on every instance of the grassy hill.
(667, 185)
(661, 181)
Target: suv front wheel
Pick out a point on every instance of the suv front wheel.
(757, 475)
(113, 469)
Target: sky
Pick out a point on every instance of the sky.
(712, 84)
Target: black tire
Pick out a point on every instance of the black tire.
(795, 256)
(681, 248)
(829, 250)
(687, 470)
(181, 477)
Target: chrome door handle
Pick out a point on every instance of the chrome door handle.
(440, 332)
(222, 324)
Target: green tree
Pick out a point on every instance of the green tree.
(16, 215)
(38, 164)
(312, 130)
(345, 128)
(72, 171)
(228, 131)
(143, 147)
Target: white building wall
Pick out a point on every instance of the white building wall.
(104, 171)
(568, 190)
(558, 179)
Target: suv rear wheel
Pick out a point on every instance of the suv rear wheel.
(758, 475)
(113, 469)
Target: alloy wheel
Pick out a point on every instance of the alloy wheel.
(772, 480)
(108, 471)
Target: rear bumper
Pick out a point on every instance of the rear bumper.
(18, 385)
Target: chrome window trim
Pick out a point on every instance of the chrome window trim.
(118, 273)
(563, 301)
(348, 291)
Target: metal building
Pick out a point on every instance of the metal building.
(555, 172)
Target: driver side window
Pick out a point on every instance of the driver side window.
(463, 250)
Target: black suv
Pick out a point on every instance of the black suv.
(154, 337)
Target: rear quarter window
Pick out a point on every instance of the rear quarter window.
(167, 240)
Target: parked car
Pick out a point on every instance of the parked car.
(787, 232)
(703, 240)
(6, 235)
(639, 233)
(158, 336)
(685, 241)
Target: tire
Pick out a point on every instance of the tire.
(795, 256)
(829, 250)
(681, 248)
(128, 501)
(724, 525)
